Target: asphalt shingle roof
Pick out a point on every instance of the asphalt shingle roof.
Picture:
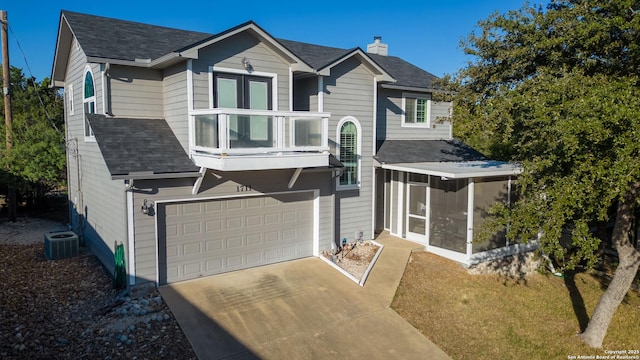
(415, 151)
(139, 145)
(126, 40)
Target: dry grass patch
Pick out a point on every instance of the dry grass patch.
(491, 317)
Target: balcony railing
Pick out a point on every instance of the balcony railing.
(262, 133)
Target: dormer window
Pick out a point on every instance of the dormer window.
(417, 110)
(88, 101)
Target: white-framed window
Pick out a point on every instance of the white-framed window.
(348, 148)
(416, 110)
(70, 104)
(88, 100)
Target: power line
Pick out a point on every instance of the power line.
(24, 56)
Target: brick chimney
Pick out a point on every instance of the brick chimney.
(378, 47)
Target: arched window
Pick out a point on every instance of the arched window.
(88, 100)
(349, 145)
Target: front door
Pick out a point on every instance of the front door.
(417, 209)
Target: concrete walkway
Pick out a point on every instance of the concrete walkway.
(301, 309)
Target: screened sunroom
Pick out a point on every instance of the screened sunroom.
(438, 204)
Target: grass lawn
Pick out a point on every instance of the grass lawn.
(491, 317)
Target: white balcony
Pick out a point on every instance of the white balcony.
(242, 139)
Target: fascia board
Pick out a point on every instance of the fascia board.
(64, 42)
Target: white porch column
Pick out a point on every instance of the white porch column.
(470, 193)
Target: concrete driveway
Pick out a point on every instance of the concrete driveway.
(301, 309)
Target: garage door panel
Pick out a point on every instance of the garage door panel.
(235, 242)
(191, 228)
(192, 270)
(255, 220)
(213, 225)
(270, 219)
(192, 248)
(214, 266)
(191, 208)
(233, 204)
(211, 237)
(214, 245)
(213, 206)
(254, 240)
(254, 258)
(234, 261)
(234, 223)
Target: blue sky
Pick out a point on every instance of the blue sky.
(426, 33)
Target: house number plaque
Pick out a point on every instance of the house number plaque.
(243, 188)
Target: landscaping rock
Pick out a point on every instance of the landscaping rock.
(66, 308)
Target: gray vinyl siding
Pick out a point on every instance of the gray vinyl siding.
(261, 182)
(349, 92)
(175, 102)
(389, 126)
(305, 96)
(98, 200)
(229, 53)
(135, 92)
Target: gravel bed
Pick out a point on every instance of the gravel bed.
(68, 309)
(354, 258)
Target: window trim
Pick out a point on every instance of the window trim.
(88, 70)
(358, 152)
(426, 97)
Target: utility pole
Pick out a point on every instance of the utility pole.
(6, 90)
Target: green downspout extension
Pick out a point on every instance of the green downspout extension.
(120, 275)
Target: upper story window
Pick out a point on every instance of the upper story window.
(70, 104)
(88, 100)
(349, 148)
(417, 110)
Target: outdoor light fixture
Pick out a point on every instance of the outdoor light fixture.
(147, 209)
(247, 64)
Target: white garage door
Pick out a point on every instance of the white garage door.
(211, 237)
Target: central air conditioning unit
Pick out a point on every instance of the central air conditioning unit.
(60, 245)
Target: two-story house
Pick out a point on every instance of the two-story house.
(207, 153)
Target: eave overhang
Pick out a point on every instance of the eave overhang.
(459, 170)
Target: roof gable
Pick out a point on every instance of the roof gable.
(297, 64)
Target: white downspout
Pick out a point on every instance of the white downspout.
(131, 244)
(374, 181)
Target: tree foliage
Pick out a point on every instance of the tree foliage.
(36, 162)
(557, 89)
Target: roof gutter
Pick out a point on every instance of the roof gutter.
(152, 176)
(411, 88)
(144, 63)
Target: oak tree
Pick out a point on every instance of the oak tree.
(556, 88)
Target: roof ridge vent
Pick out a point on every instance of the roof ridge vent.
(378, 47)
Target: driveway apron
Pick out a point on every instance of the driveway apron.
(301, 309)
